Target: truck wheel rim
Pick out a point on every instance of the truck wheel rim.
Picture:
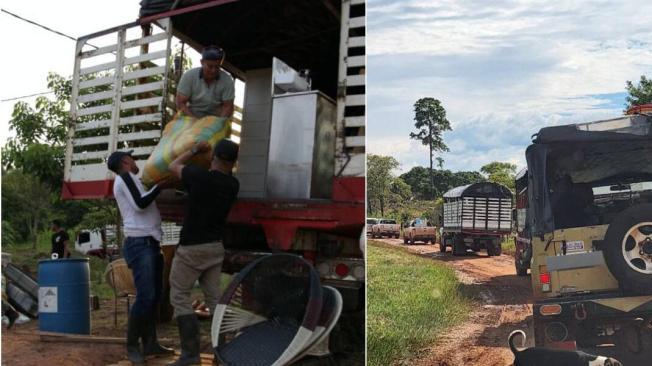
(637, 247)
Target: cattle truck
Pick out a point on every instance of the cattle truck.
(302, 163)
(590, 213)
(476, 216)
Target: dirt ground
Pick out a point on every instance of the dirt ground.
(504, 304)
(22, 346)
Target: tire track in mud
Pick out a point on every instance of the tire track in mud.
(503, 304)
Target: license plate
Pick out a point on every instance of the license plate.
(574, 246)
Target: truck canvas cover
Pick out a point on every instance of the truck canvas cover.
(589, 153)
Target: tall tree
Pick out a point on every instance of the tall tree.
(501, 173)
(379, 180)
(639, 94)
(430, 121)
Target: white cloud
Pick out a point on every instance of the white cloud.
(502, 69)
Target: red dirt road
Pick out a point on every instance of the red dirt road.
(506, 306)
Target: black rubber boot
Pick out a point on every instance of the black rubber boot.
(189, 334)
(10, 313)
(135, 330)
(151, 347)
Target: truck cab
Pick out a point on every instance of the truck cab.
(386, 227)
(371, 221)
(590, 214)
(300, 126)
(419, 230)
(97, 242)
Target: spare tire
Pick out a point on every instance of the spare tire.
(627, 248)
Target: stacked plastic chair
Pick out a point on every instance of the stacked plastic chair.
(273, 312)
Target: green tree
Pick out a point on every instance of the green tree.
(430, 121)
(501, 173)
(26, 204)
(399, 195)
(379, 181)
(418, 178)
(639, 94)
(39, 143)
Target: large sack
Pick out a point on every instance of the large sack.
(178, 137)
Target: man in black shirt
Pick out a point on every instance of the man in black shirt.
(60, 240)
(200, 251)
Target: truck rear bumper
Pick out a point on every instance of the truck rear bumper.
(344, 214)
(590, 320)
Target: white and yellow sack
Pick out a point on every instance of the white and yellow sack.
(179, 136)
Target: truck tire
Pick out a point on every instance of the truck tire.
(459, 247)
(627, 248)
(494, 248)
(397, 235)
(521, 268)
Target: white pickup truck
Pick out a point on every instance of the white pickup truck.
(418, 230)
(370, 224)
(386, 227)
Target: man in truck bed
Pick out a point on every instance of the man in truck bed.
(200, 252)
(206, 90)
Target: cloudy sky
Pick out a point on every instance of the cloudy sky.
(30, 52)
(502, 69)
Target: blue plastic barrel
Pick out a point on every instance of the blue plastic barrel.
(64, 289)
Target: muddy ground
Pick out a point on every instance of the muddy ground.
(504, 303)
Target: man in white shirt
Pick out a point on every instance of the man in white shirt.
(142, 252)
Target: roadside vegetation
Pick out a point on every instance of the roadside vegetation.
(508, 245)
(26, 257)
(412, 301)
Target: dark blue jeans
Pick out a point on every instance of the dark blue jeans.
(143, 256)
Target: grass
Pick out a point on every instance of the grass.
(508, 245)
(26, 258)
(411, 301)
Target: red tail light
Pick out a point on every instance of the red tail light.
(544, 278)
(342, 270)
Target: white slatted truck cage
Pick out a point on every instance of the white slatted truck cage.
(118, 102)
(122, 98)
(351, 104)
(477, 216)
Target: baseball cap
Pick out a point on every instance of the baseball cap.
(226, 150)
(212, 53)
(114, 160)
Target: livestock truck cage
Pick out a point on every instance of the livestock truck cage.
(302, 145)
(476, 217)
